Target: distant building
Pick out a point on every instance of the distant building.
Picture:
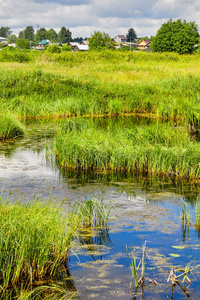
(85, 42)
(80, 48)
(143, 45)
(42, 44)
(3, 40)
(120, 39)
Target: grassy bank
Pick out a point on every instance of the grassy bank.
(153, 149)
(93, 83)
(34, 242)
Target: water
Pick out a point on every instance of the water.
(143, 210)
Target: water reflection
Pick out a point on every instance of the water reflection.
(94, 240)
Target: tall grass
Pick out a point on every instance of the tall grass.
(77, 84)
(157, 149)
(34, 242)
(10, 127)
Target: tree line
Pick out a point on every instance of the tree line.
(64, 35)
(174, 36)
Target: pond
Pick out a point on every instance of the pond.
(144, 211)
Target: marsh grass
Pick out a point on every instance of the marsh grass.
(133, 264)
(153, 149)
(10, 127)
(91, 213)
(110, 83)
(34, 242)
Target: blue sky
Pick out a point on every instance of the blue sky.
(83, 17)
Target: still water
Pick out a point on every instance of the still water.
(143, 210)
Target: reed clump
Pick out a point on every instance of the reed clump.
(10, 127)
(34, 242)
(153, 149)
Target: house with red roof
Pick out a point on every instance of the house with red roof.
(143, 45)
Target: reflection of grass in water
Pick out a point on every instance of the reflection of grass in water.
(185, 221)
(94, 240)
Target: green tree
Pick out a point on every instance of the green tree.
(11, 39)
(131, 35)
(64, 35)
(100, 40)
(52, 35)
(5, 32)
(29, 33)
(176, 36)
(41, 34)
(23, 44)
(78, 39)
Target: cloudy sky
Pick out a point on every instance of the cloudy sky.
(83, 17)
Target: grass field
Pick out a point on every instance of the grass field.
(45, 85)
(94, 83)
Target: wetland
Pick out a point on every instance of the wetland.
(121, 129)
(143, 209)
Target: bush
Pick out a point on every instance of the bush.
(54, 48)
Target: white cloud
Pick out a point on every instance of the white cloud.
(82, 17)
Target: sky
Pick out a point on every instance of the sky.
(83, 17)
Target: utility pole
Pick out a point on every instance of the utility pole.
(38, 26)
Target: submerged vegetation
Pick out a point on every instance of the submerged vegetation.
(35, 239)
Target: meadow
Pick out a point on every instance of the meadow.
(36, 85)
(100, 83)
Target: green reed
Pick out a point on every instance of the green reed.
(10, 127)
(34, 242)
(156, 149)
(133, 264)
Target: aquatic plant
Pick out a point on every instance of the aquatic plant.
(135, 268)
(91, 213)
(157, 149)
(34, 242)
(133, 265)
(10, 127)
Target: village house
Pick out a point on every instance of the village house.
(120, 39)
(80, 48)
(3, 40)
(143, 45)
(85, 42)
(42, 44)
